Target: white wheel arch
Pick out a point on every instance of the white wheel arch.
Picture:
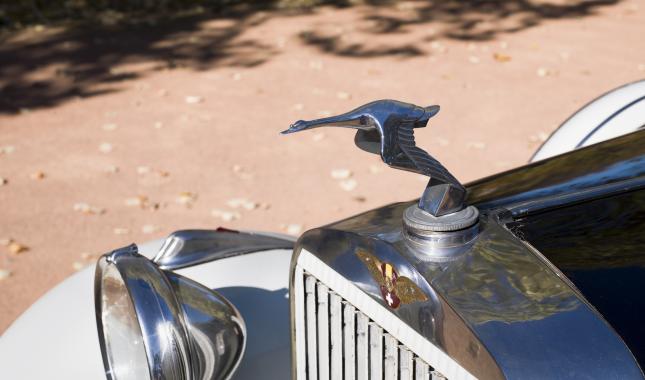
(615, 113)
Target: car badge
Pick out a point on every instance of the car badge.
(395, 289)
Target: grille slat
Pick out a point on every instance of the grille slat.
(323, 331)
(391, 360)
(406, 364)
(336, 331)
(376, 352)
(362, 347)
(349, 334)
(421, 370)
(310, 304)
(344, 343)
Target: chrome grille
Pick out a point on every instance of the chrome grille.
(344, 343)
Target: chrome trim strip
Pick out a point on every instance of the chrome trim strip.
(186, 248)
(520, 210)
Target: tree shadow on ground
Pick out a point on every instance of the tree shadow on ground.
(45, 69)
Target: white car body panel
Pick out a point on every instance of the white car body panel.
(56, 338)
(613, 114)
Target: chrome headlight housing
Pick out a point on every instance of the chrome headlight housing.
(155, 324)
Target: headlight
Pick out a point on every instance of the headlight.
(155, 324)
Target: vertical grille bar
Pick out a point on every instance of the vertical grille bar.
(310, 306)
(362, 347)
(391, 361)
(340, 342)
(421, 370)
(376, 352)
(349, 334)
(336, 331)
(406, 366)
(323, 331)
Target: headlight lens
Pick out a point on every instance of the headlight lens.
(121, 331)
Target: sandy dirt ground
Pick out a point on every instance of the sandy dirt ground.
(113, 135)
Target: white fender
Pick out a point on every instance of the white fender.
(56, 338)
(613, 114)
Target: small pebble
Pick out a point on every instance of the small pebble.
(138, 201)
(158, 124)
(194, 99)
(375, 169)
(105, 148)
(298, 106)
(226, 216)
(121, 231)
(442, 141)
(473, 59)
(3, 181)
(5, 241)
(341, 173)
(4, 274)
(359, 199)
(348, 184)
(77, 265)
(316, 65)
(237, 76)
(109, 127)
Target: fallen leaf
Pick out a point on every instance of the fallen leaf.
(341, 173)
(17, 248)
(501, 57)
(37, 175)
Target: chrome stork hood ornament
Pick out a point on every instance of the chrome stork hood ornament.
(386, 128)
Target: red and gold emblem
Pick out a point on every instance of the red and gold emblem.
(395, 289)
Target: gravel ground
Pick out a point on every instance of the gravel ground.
(115, 135)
